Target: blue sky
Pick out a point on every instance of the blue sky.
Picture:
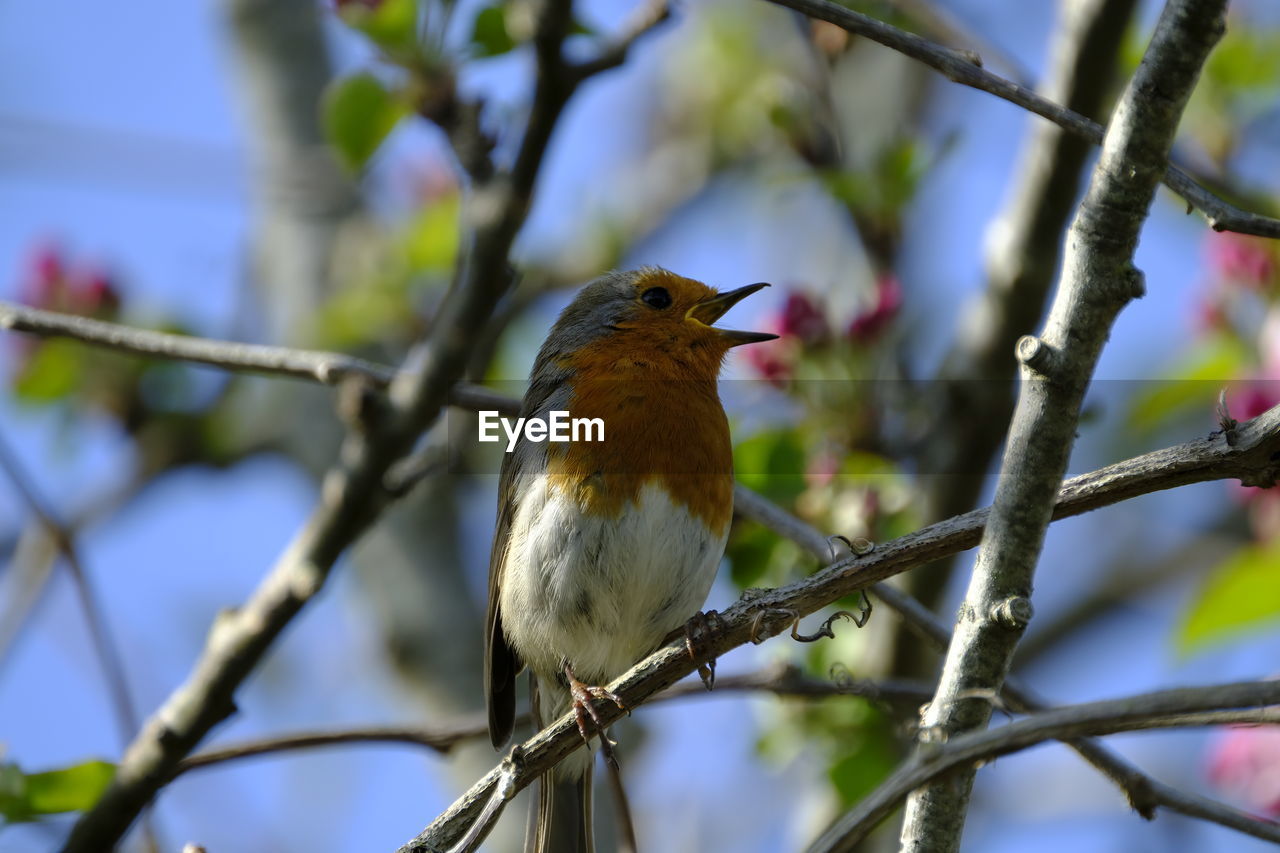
(121, 139)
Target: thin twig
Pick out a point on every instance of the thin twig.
(645, 18)
(440, 740)
(1195, 706)
(110, 661)
(781, 681)
(108, 654)
(965, 68)
(329, 368)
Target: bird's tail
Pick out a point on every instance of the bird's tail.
(562, 821)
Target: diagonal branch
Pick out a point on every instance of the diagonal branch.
(1097, 280)
(781, 680)
(353, 491)
(965, 68)
(974, 399)
(765, 613)
(327, 367)
(109, 659)
(1145, 794)
(1195, 706)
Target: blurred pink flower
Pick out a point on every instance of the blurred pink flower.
(870, 323)
(95, 293)
(1245, 762)
(1240, 258)
(1253, 399)
(802, 318)
(1210, 315)
(46, 275)
(771, 360)
(821, 469)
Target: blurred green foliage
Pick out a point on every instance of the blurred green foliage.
(1241, 595)
(358, 113)
(29, 796)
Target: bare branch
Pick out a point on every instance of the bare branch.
(104, 644)
(1098, 279)
(440, 740)
(327, 367)
(974, 399)
(645, 18)
(965, 68)
(1193, 706)
(782, 681)
(1196, 461)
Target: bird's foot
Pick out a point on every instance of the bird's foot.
(696, 633)
(583, 709)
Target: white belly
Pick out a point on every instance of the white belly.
(601, 592)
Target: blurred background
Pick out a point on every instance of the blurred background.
(249, 169)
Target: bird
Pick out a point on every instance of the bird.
(603, 549)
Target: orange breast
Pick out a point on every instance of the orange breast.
(668, 430)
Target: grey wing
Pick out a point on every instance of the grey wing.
(500, 662)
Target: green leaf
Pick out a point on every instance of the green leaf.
(433, 236)
(392, 24)
(869, 760)
(1192, 383)
(750, 554)
(489, 32)
(1240, 595)
(358, 112)
(53, 371)
(70, 789)
(27, 796)
(772, 463)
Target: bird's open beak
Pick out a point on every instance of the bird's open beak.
(714, 308)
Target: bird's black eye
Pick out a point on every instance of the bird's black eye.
(656, 297)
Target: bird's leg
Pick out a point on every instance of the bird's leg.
(582, 694)
(696, 631)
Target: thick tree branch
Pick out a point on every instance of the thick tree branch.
(353, 492)
(974, 399)
(1097, 280)
(965, 68)
(765, 613)
(1195, 706)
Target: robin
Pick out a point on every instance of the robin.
(605, 548)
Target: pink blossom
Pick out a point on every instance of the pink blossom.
(802, 318)
(1210, 315)
(821, 469)
(868, 325)
(1241, 258)
(95, 293)
(771, 362)
(1245, 762)
(46, 276)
